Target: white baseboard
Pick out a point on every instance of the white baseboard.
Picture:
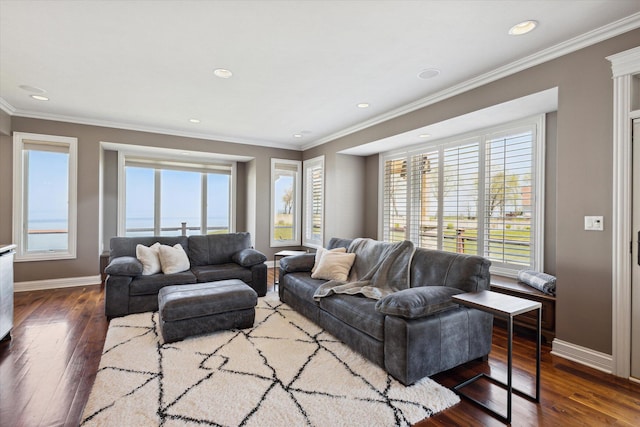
(586, 356)
(69, 282)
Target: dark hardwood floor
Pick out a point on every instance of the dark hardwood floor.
(48, 368)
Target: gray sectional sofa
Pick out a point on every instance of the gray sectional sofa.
(412, 333)
(212, 257)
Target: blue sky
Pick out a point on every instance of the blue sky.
(48, 192)
(180, 196)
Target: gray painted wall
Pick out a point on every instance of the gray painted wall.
(254, 181)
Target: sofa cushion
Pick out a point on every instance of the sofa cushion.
(418, 302)
(149, 256)
(216, 248)
(436, 268)
(151, 285)
(212, 273)
(248, 257)
(357, 311)
(126, 246)
(302, 285)
(336, 242)
(124, 266)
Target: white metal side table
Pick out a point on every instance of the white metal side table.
(507, 307)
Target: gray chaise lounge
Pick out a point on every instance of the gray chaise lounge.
(407, 348)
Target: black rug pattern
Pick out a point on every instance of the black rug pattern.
(285, 371)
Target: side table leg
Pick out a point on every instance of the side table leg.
(275, 272)
(538, 345)
(509, 366)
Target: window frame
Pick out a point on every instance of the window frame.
(160, 163)
(68, 145)
(537, 124)
(295, 167)
(308, 166)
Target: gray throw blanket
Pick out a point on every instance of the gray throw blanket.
(542, 281)
(380, 268)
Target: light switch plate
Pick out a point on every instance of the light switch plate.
(594, 223)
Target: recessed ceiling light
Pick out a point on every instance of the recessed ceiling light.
(424, 135)
(523, 28)
(194, 120)
(33, 89)
(363, 105)
(39, 97)
(429, 73)
(222, 73)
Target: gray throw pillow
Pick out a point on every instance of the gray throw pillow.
(418, 302)
(124, 266)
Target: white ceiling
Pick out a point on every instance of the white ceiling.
(298, 66)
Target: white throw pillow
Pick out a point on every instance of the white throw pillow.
(173, 259)
(320, 252)
(334, 266)
(148, 256)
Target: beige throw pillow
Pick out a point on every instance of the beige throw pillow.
(148, 256)
(173, 259)
(320, 252)
(334, 266)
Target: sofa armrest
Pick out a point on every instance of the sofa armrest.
(296, 263)
(124, 266)
(248, 257)
(414, 303)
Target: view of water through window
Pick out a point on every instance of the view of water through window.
(181, 199)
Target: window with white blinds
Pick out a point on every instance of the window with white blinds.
(396, 198)
(477, 194)
(313, 170)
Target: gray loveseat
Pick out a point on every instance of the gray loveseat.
(212, 257)
(412, 333)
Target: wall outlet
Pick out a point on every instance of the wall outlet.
(594, 223)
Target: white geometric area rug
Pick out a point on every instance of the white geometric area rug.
(285, 371)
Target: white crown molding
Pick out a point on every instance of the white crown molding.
(69, 282)
(590, 38)
(6, 107)
(585, 356)
(626, 62)
(9, 109)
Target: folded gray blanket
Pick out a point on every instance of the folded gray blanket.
(380, 268)
(541, 281)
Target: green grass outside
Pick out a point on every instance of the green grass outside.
(516, 254)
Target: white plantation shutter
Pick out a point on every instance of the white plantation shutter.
(509, 216)
(459, 182)
(313, 202)
(426, 204)
(396, 193)
(475, 195)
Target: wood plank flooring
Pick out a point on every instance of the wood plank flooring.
(48, 368)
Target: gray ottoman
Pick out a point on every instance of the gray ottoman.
(187, 310)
